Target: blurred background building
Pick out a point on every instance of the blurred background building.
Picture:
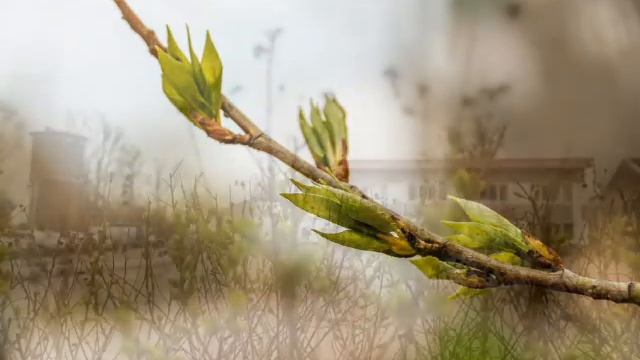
(58, 182)
(564, 185)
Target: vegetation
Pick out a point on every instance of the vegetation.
(201, 281)
(487, 272)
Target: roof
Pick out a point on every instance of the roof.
(627, 175)
(440, 164)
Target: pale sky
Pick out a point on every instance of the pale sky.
(572, 71)
(78, 59)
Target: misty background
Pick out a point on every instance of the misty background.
(569, 65)
(163, 219)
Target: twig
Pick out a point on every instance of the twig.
(425, 242)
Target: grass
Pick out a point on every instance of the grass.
(208, 283)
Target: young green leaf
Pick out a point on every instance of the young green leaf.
(399, 245)
(173, 48)
(507, 258)
(365, 211)
(179, 77)
(433, 268)
(355, 240)
(487, 236)
(336, 120)
(324, 191)
(482, 214)
(327, 209)
(311, 139)
(198, 76)
(300, 186)
(212, 69)
(175, 97)
(211, 63)
(321, 130)
(192, 86)
(468, 242)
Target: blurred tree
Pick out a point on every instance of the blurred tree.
(11, 132)
(478, 132)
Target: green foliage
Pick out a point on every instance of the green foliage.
(370, 228)
(326, 136)
(466, 241)
(480, 213)
(482, 236)
(436, 269)
(433, 268)
(365, 211)
(507, 258)
(490, 223)
(326, 208)
(192, 85)
(355, 240)
(473, 335)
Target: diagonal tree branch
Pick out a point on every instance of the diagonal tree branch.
(424, 242)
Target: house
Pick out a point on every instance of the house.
(625, 182)
(620, 196)
(563, 184)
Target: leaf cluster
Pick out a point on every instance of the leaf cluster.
(326, 136)
(368, 227)
(192, 84)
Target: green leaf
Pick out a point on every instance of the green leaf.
(466, 293)
(468, 242)
(174, 49)
(175, 98)
(198, 76)
(365, 211)
(212, 69)
(311, 139)
(355, 240)
(433, 268)
(481, 214)
(323, 190)
(300, 186)
(507, 258)
(179, 77)
(326, 208)
(485, 236)
(211, 63)
(336, 120)
(324, 137)
(190, 85)
(352, 206)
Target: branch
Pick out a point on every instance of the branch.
(424, 242)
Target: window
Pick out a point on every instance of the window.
(551, 193)
(490, 192)
(567, 193)
(504, 192)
